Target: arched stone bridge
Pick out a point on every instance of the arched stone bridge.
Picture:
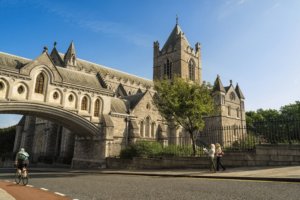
(66, 118)
(74, 99)
(104, 108)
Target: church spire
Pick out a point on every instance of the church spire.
(70, 56)
(57, 60)
(218, 86)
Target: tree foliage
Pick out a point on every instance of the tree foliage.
(276, 126)
(7, 138)
(286, 112)
(184, 103)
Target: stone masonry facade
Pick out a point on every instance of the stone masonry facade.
(118, 104)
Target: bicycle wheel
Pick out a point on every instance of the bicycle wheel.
(25, 180)
(18, 178)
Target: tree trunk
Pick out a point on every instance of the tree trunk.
(193, 143)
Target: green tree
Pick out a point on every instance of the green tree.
(276, 126)
(291, 111)
(185, 104)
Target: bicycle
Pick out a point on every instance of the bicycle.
(21, 175)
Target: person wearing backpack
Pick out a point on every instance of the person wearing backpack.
(22, 160)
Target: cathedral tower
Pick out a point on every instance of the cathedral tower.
(177, 58)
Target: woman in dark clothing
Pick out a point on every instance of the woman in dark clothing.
(219, 154)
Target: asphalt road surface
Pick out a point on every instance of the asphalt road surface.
(94, 186)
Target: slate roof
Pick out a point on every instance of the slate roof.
(103, 70)
(172, 39)
(239, 92)
(134, 99)
(218, 86)
(118, 106)
(78, 78)
(12, 62)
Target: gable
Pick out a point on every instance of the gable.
(121, 91)
(145, 100)
(45, 61)
(231, 95)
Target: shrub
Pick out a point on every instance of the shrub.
(142, 149)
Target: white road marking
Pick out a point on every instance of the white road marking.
(29, 185)
(75, 199)
(45, 189)
(60, 194)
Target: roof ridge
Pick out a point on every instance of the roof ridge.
(15, 56)
(113, 69)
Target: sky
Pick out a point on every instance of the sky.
(255, 43)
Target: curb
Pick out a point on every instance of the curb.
(274, 179)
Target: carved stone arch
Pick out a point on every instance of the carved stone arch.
(167, 69)
(49, 75)
(153, 129)
(89, 101)
(58, 99)
(4, 88)
(142, 130)
(20, 93)
(100, 109)
(71, 100)
(147, 126)
(192, 69)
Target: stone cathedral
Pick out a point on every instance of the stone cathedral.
(118, 103)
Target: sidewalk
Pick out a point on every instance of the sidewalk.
(283, 173)
(5, 196)
(287, 174)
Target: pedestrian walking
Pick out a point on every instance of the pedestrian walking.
(211, 155)
(219, 155)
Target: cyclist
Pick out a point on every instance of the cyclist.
(22, 160)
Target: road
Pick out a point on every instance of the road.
(94, 186)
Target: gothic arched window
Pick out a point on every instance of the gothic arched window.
(73, 60)
(192, 70)
(229, 111)
(147, 127)
(39, 84)
(168, 69)
(96, 108)
(84, 103)
(153, 129)
(142, 129)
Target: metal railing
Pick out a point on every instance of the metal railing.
(238, 138)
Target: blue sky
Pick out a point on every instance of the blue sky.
(253, 42)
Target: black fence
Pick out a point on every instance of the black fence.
(239, 138)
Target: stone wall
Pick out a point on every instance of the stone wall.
(265, 155)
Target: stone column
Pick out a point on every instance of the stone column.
(39, 139)
(133, 133)
(49, 148)
(66, 146)
(162, 135)
(90, 152)
(28, 134)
